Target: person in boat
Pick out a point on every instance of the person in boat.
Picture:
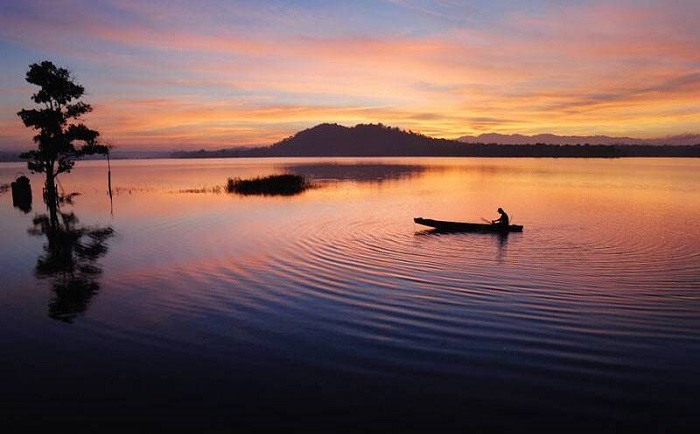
(503, 220)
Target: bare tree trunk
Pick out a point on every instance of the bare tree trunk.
(51, 196)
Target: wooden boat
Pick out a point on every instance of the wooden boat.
(446, 226)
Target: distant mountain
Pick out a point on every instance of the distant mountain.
(7, 156)
(369, 140)
(377, 140)
(680, 140)
(119, 154)
(333, 140)
(553, 139)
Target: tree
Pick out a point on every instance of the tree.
(61, 138)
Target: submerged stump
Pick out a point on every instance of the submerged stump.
(22, 194)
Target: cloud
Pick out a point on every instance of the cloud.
(228, 73)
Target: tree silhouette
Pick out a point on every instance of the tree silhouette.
(59, 132)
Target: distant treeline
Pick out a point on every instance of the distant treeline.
(377, 140)
(474, 150)
(6, 156)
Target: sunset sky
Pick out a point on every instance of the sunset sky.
(214, 73)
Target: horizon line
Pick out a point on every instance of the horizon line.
(198, 147)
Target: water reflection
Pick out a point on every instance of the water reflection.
(366, 172)
(500, 239)
(589, 315)
(70, 261)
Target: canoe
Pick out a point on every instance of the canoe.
(446, 226)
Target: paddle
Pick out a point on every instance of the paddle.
(487, 221)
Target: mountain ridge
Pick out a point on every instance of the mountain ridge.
(554, 139)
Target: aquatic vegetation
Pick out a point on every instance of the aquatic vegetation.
(273, 185)
(215, 190)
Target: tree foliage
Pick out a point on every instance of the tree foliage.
(61, 138)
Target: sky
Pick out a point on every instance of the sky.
(212, 74)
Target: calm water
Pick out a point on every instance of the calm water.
(333, 310)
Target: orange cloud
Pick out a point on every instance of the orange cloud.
(164, 80)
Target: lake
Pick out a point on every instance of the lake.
(174, 304)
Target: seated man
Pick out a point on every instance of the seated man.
(503, 220)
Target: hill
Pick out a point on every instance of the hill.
(363, 140)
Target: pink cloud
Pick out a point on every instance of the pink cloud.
(571, 68)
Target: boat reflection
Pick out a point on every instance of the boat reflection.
(500, 239)
(69, 261)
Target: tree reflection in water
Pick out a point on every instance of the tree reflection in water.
(70, 260)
